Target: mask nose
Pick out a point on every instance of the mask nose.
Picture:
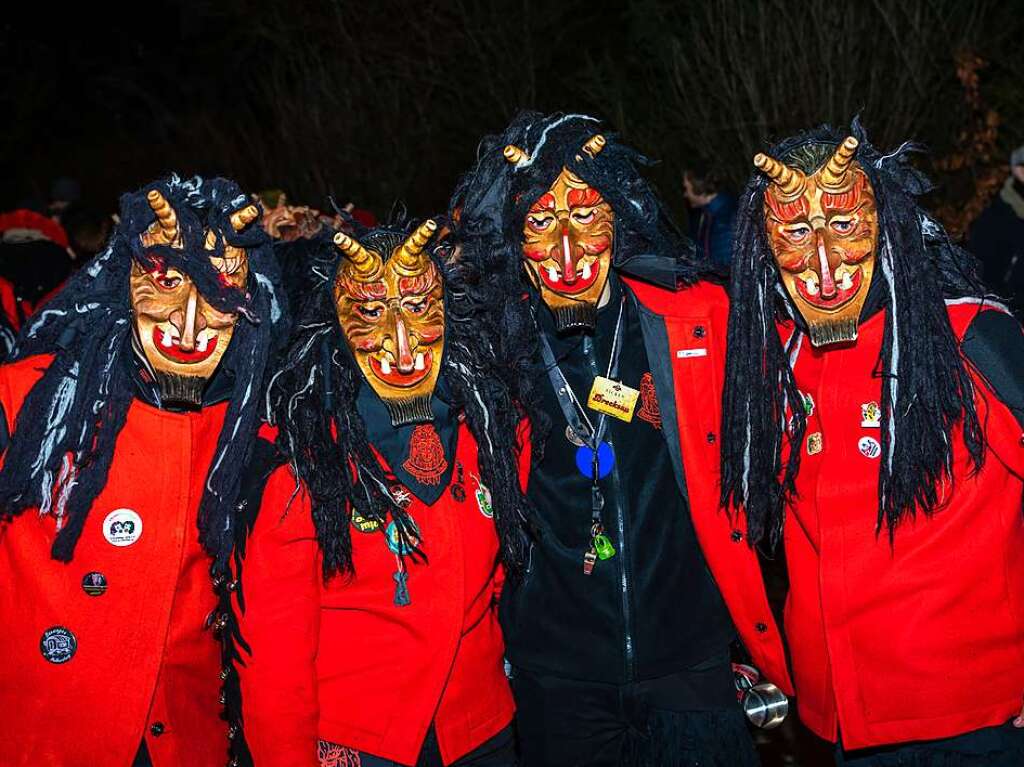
(828, 283)
(188, 322)
(568, 263)
(405, 360)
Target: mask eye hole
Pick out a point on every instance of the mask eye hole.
(167, 280)
(842, 225)
(371, 312)
(539, 223)
(797, 233)
(415, 305)
(583, 216)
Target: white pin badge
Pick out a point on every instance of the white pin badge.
(122, 527)
(869, 447)
(870, 416)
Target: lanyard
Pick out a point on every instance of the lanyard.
(574, 412)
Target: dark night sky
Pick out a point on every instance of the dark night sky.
(386, 100)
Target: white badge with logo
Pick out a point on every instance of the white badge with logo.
(122, 527)
(869, 447)
(870, 416)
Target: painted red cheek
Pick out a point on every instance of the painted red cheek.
(430, 333)
(535, 254)
(596, 245)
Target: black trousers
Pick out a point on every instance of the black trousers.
(659, 723)
(498, 751)
(1001, 746)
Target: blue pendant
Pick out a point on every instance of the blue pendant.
(585, 460)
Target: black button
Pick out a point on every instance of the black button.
(1022, 439)
(711, 437)
(698, 332)
(94, 584)
(736, 536)
(58, 645)
(761, 628)
(157, 729)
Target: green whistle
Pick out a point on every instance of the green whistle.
(603, 547)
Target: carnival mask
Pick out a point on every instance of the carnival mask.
(181, 335)
(822, 230)
(391, 310)
(567, 244)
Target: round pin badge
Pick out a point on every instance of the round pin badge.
(605, 460)
(869, 447)
(58, 645)
(122, 527)
(396, 546)
(458, 493)
(94, 584)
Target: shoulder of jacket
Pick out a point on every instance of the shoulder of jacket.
(701, 297)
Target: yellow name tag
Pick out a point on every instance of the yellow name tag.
(613, 398)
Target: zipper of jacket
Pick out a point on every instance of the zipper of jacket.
(620, 524)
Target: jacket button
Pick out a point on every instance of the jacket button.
(698, 332)
(157, 729)
(761, 628)
(736, 536)
(711, 437)
(1022, 439)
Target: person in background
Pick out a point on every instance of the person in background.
(997, 236)
(712, 212)
(88, 231)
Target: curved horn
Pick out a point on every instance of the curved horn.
(164, 214)
(514, 154)
(242, 218)
(409, 258)
(594, 145)
(365, 262)
(790, 181)
(834, 176)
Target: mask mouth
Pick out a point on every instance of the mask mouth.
(167, 342)
(846, 287)
(385, 368)
(587, 273)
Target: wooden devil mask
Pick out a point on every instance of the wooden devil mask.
(389, 298)
(823, 230)
(180, 334)
(567, 243)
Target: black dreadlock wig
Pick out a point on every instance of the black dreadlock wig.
(492, 200)
(926, 391)
(66, 432)
(312, 401)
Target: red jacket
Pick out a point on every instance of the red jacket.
(144, 665)
(685, 333)
(341, 662)
(924, 639)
